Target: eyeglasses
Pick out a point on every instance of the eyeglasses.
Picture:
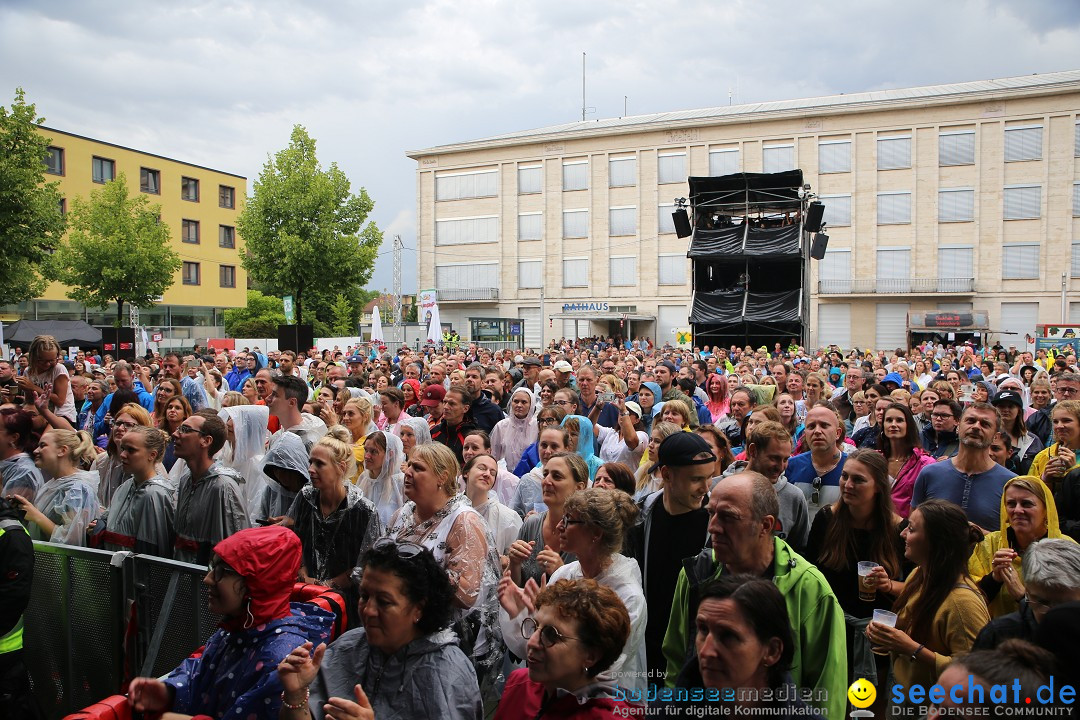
(815, 496)
(1031, 601)
(405, 549)
(187, 430)
(549, 634)
(941, 416)
(218, 568)
(566, 403)
(123, 424)
(566, 522)
(547, 421)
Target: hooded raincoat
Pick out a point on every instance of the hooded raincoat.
(71, 503)
(141, 518)
(980, 565)
(246, 457)
(20, 476)
(208, 510)
(512, 435)
(387, 490)
(236, 676)
(586, 442)
(286, 453)
(420, 429)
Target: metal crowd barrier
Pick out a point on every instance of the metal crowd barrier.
(97, 619)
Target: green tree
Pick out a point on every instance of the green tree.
(342, 311)
(259, 319)
(31, 223)
(117, 250)
(303, 230)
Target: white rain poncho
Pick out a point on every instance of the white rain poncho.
(141, 518)
(71, 503)
(420, 429)
(460, 540)
(512, 435)
(387, 490)
(246, 457)
(309, 429)
(503, 522)
(286, 452)
(20, 476)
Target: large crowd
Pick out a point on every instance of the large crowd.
(603, 528)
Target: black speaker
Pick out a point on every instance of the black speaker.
(814, 213)
(682, 223)
(818, 247)
(118, 342)
(295, 337)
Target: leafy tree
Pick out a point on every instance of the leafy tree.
(342, 310)
(259, 319)
(31, 223)
(304, 232)
(117, 250)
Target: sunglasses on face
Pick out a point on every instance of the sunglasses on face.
(549, 634)
(218, 569)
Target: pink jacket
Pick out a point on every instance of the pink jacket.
(904, 483)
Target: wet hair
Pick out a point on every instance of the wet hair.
(764, 434)
(603, 624)
(338, 443)
(423, 579)
(154, 439)
(579, 470)
(763, 608)
(41, 344)
(722, 443)
(394, 395)
(376, 437)
(233, 398)
(442, 462)
(79, 444)
(1012, 662)
(471, 462)
(484, 437)
(1053, 564)
(293, 387)
(467, 398)
(214, 428)
(611, 512)
(21, 423)
(621, 476)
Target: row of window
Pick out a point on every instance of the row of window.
(671, 270)
(192, 274)
(1019, 261)
(103, 170)
(894, 152)
(190, 234)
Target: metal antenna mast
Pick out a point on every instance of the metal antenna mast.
(398, 247)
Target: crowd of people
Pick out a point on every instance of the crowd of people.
(592, 530)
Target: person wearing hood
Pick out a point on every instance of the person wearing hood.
(530, 457)
(382, 481)
(333, 519)
(250, 579)
(247, 366)
(286, 468)
(412, 400)
(1028, 514)
(413, 431)
(403, 663)
(356, 416)
(247, 436)
(648, 397)
(66, 504)
(513, 434)
(578, 632)
(582, 441)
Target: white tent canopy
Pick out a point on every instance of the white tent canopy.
(376, 325)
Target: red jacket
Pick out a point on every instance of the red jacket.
(523, 699)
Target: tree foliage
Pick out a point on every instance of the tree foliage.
(31, 223)
(342, 311)
(259, 319)
(304, 231)
(117, 250)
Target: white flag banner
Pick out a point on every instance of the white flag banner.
(376, 325)
(434, 332)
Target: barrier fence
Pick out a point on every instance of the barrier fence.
(97, 619)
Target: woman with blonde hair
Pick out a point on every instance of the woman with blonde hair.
(65, 505)
(1052, 463)
(356, 416)
(648, 477)
(249, 391)
(111, 473)
(678, 412)
(46, 374)
(233, 398)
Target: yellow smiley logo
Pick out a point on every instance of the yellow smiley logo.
(862, 693)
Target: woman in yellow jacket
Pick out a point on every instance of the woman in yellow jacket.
(1054, 462)
(1028, 514)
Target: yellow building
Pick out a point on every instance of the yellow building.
(200, 206)
(961, 197)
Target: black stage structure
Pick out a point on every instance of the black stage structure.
(750, 259)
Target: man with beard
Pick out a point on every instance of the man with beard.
(972, 479)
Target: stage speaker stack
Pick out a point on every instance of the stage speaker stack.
(295, 337)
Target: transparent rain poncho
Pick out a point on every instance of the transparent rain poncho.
(71, 503)
(246, 456)
(420, 429)
(387, 490)
(332, 544)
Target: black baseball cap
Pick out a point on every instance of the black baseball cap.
(1008, 396)
(683, 449)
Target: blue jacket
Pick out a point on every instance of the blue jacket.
(236, 378)
(145, 399)
(237, 673)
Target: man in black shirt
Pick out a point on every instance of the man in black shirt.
(674, 526)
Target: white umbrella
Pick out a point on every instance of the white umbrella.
(434, 331)
(376, 325)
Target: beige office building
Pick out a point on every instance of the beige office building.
(950, 197)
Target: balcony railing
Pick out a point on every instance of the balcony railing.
(896, 286)
(474, 294)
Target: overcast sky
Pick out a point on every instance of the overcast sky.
(222, 83)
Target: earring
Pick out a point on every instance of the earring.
(250, 618)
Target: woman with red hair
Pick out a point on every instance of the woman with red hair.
(716, 387)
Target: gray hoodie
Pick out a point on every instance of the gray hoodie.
(287, 452)
(793, 525)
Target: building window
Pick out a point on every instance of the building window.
(1023, 202)
(671, 270)
(778, 158)
(189, 189)
(834, 156)
(104, 170)
(893, 270)
(893, 208)
(723, 161)
(467, 231)
(956, 148)
(956, 205)
(665, 222)
(671, 167)
(575, 223)
(530, 226)
(191, 273)
(1076, 140)
(575, 175)
(837, 210)
(1023, 142)
(575, 272)
(834, 274)
(622, 172)
(623, 271)
(1074, 266)
(530, 273)
(54, 161)
(227, 276)
(530, 179)
(1020, 261)
(226, 236)
(467, 276)
(190, 231)
(465, 185)
(622, 220)
(150, 181)
(1076, 199)
(894, 153)
(226, 197)
(955, 263)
